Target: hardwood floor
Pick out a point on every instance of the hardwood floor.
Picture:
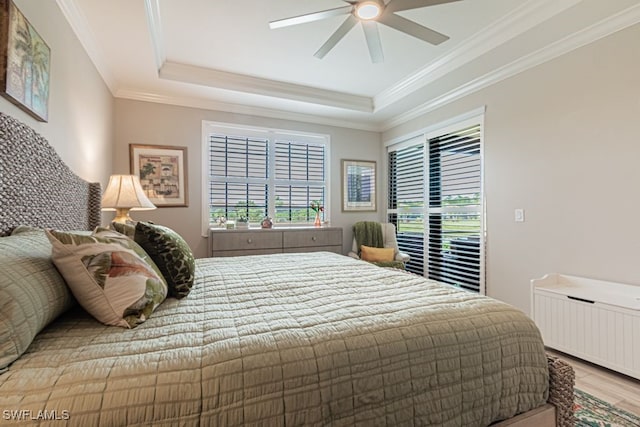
(612, 387)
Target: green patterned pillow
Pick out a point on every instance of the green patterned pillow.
(172, 255)
(109, 274)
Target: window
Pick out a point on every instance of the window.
(455, 226)
(255, 172)
(238, 166)
(299, 179)
(436, 203)
(406, 201)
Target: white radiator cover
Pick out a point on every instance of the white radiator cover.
(594, 320)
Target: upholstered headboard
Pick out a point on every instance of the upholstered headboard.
(37, 188)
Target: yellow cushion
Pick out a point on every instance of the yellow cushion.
(370, 254)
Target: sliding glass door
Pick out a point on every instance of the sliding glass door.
(436, 202)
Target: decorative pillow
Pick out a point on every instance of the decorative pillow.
(32, 292)
(110, 275)
(370, 254)
(128, 242)
(172, 255)
(127, 229)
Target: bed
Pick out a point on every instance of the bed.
(286, 339)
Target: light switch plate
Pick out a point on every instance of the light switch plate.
(519, 215)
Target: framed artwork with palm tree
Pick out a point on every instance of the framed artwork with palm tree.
(163, 173)
(24, 63)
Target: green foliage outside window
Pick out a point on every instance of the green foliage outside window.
(283, 214)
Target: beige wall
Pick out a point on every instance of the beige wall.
(80, 125)
(156, 124)
(561, 142)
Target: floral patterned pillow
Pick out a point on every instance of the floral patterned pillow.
(172, 255)
(109, 274)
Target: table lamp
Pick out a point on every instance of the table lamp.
(124, 193)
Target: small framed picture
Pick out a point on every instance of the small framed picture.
(163, 173)
(358, 185)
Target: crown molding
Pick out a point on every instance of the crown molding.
(225, 107)
(511, 25)
(255, 85)
(152, 10)
(601, 29)
(523, 18)
(242, 83)
(83, 32)
(436, 127)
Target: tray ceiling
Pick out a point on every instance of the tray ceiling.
(222, 55)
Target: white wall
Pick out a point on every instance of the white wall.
(561, 141)
(139, 122)
(80, 125)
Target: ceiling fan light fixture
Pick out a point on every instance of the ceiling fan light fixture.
(370, 13)
(368, 10)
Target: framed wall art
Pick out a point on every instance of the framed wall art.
(358, 185)
(163, 173)
(25, 61)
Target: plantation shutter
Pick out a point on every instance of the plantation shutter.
(436, 202)
(239, 170)
(256, 172)
(455, 226)
(299, 180)
(406, 206)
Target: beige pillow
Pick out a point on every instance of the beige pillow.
(32, 292)
(367, 253)
(109, 275)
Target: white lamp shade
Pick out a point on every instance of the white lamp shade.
(125, 191)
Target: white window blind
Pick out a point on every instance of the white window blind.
(239, 170)
(263, 172)
(455, 226)
(440, 179)
(299, 178)
(406, 207)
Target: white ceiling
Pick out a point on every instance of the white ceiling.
(222, 55)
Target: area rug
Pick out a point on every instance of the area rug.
(593, 412)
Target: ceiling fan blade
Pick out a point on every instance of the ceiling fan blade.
(310, 17)
(372, 35)
(409, 27)
(398, 5)
(342, 31)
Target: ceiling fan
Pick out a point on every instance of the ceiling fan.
(369, 13)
